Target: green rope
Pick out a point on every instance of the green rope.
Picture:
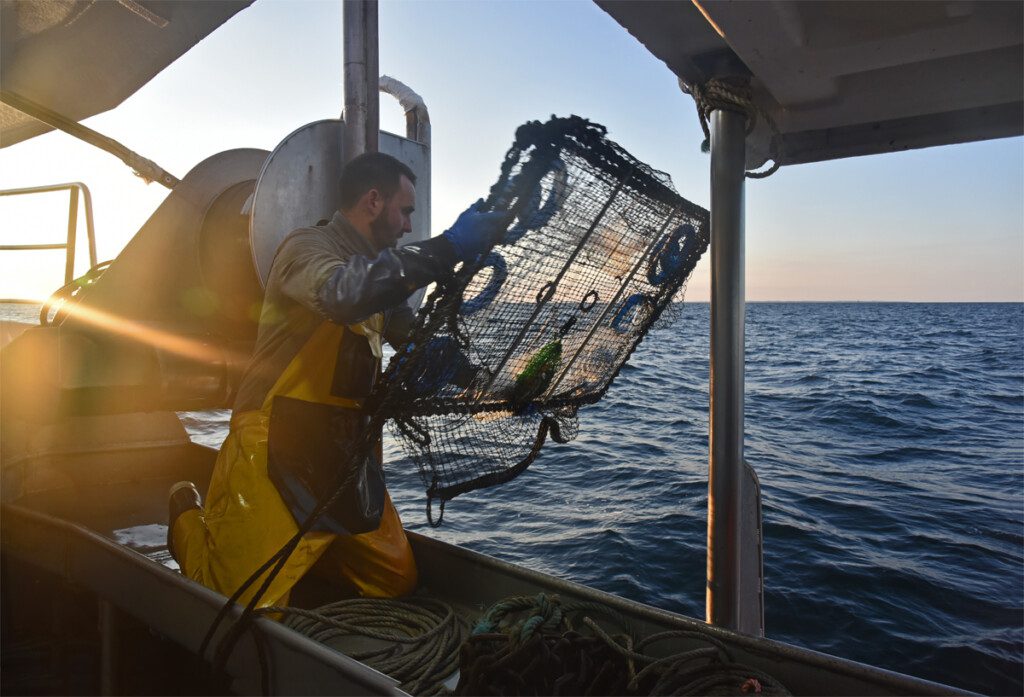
(527, 645)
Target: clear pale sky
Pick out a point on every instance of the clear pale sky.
(940, 224)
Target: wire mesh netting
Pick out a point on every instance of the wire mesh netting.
(503, 355)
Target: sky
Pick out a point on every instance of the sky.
(938, 224)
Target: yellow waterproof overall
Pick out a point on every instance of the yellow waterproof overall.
(245, 521)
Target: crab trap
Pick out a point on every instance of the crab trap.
(504, 353)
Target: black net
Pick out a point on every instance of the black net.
(505, 353)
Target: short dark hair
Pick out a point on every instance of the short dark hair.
(371, 170)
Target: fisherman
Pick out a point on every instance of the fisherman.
(335, 291)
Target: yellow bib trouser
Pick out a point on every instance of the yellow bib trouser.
(245, 521)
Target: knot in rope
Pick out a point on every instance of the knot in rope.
(547, 617)
(544, 614)
(731, 95)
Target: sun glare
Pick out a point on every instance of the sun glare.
(183, 346)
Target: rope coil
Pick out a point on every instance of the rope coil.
(419, 638)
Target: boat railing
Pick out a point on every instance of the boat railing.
(77, 190)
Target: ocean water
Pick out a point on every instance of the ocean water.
(889, 441)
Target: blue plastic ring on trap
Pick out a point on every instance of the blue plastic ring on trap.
(486, 296)
(534, 215)
(625, 314)
(668, 258)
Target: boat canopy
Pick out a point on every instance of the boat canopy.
(80, 58)
(848, 78)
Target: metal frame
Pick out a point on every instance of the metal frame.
(76, 189)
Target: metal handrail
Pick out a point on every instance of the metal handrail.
(75, 188)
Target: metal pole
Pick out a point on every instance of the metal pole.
(362, 102)
(372, 87)
(90, 229)
(725, 480)
(69, 257)
(147, 169)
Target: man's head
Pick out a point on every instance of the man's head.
(378, 196)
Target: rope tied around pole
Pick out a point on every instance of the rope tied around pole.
(731, 95)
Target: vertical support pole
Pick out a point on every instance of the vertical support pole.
(362, 101)
(726, 467)
(90, 229)
(69, 253)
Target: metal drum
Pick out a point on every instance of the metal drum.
(298, 187)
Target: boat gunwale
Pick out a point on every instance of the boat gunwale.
(186, 626)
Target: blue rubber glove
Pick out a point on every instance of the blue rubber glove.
(475, 232)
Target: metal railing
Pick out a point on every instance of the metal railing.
(76, 189)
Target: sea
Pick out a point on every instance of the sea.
(889, 443)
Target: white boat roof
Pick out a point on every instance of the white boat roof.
(80, 58)
(839, 78)
(845, 78)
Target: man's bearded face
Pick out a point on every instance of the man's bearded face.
(395, 218)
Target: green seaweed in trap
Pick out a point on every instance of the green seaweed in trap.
(504, 354)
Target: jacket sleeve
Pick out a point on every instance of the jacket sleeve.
(349, 290)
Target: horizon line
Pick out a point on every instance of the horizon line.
(902, 302)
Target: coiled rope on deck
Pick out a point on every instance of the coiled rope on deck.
(525, 645)
(419, 638)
